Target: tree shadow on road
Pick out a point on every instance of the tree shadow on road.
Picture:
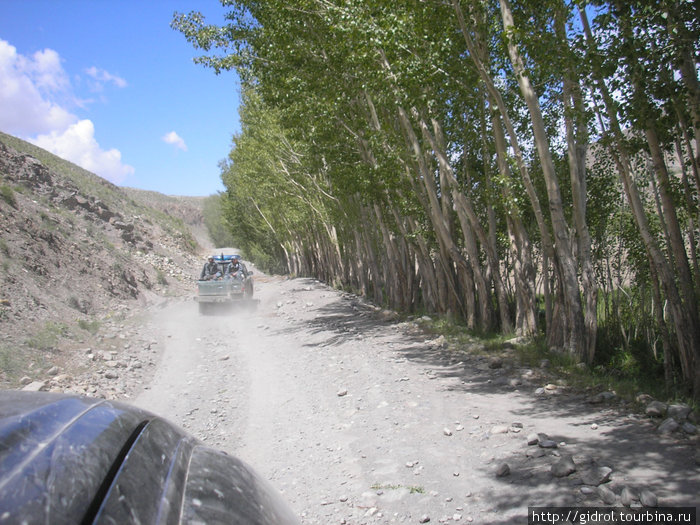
(626, 441)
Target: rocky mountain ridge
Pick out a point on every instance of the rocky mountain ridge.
(77, 251)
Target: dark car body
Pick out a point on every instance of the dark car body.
(76, 460)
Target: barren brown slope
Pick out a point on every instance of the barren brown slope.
(76, 254)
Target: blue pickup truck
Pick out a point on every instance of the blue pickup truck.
(233, 283)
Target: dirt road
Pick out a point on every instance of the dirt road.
(356, 419)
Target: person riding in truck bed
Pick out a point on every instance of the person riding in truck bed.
(210, 270)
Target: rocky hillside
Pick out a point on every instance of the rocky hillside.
(77, 253)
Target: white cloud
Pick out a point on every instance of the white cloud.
(78, 145)
(34, 91)
(101, 77)
(27, 85)
(175, 139)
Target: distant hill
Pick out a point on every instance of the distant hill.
(75, 249)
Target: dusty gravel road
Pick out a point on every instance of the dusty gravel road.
(356, 419)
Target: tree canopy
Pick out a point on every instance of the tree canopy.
(528, 168)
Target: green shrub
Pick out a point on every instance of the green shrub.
(8, 195)
(47, 338)
(74, 303)
(160, 278)
(89, 326)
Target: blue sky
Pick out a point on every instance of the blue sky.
(108, 84)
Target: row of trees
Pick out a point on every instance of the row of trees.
(528, 168)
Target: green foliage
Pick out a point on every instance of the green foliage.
(47, 338)
(413, 489)
(8, 195)
(13, 364)
(160, 278)
(89, 326)
(219, 231)
(324, 162)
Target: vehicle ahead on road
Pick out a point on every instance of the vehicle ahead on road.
(233, 283)
(76, 460)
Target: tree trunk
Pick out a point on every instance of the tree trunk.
(448, 249)
(577, 142)
(479, 58)
(686, 333)
(449, 183)
(373, 263)
(565, 262)
(526, 305)
(692, 214)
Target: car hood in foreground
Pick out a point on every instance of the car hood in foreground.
(68, 459)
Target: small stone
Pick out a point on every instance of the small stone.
(668, 426)
(563, 467)
(499, 429)
(447, 431)
(25, 380)
(539, 391)
(678, 412)
(643, 399)
(627, 497)
(581, 460)
(342, 393)
(607, 495)
(596, 399)
(648, 499)
(594, 426)
(551, 386)
(547, 443)
(424, 519)
(596, 476)
(533, 439)
(502, 470)
(343, 499)
(587, 490)
(52, 371)
(496, 362)
(608, 396)
(35, 386)
(456, 517)
(535, 452)
(656, 409)
(689, 428)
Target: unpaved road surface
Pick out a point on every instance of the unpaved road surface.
(357, 419)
